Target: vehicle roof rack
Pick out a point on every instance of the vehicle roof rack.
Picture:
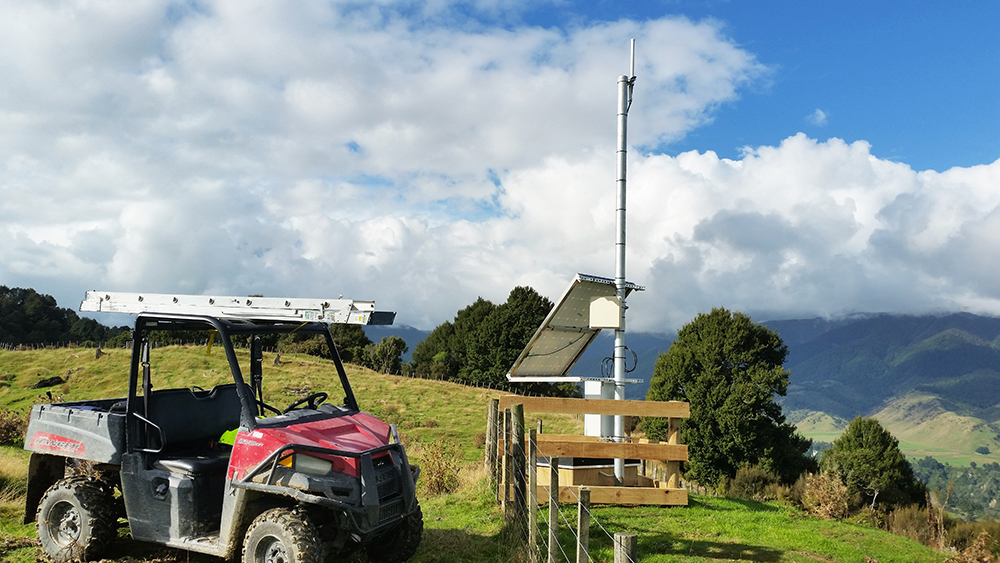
(345, 311)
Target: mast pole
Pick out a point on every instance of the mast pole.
(625, 84)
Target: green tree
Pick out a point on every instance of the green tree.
(386, 356)
(867, 459)
(500, 337)
(729, 369)
(350, 339)
(443, 353)
(498, 340)
(435, 351)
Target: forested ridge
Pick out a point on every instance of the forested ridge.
(29, 317)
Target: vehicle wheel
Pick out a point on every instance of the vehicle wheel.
(75, 519)
(282, 535)
(401, 543)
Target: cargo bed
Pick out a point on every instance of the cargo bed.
(90, 430)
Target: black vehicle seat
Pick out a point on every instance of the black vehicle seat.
(190, 424)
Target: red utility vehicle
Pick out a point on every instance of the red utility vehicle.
(303, 483)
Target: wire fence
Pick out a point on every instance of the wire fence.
(522, 510)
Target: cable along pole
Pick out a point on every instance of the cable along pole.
(625, 85)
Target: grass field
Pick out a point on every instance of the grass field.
(462, 526)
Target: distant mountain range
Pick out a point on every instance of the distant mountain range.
(932, 380)
(855, 366)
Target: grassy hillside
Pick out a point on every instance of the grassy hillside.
(924, 424)
(851, 367)
(465, 525)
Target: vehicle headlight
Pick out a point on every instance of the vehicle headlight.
(308, 464)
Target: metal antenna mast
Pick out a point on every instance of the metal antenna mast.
(625, 85)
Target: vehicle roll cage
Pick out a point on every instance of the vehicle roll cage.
(250, 395)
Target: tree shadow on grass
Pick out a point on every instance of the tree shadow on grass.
(667, 544)
(748, 505)
(459, 545)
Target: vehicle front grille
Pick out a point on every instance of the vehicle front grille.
(390, 510)
(388, 481)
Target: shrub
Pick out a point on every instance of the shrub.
(314, 346)
(826, 496)
(13, 425)
(752, 483)
(793, 494)
(977, 552)
(440, 463)
(963, 536)
(911, 522)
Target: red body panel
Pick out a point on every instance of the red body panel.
(357, 433)
(52, 442)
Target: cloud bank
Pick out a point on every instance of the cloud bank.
(422, 160)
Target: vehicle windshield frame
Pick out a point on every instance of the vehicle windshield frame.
(227, 328)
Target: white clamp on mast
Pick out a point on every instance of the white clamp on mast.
(346, 311)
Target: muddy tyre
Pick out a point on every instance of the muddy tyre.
(75, 519)
(401, 543)
(282, 535)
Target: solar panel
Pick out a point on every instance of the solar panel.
(566, 332)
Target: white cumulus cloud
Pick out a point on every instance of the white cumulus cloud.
(314, 149)
(817, 117)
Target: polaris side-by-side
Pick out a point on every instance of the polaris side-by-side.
(297, 483)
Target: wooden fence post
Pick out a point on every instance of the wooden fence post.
(490, 459)
(518, 476)
(583, 526)
(626, 547)
(673, 469)
(506, 462)
(553, 509)
(533, 496)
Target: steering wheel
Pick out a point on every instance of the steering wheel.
(314, 400)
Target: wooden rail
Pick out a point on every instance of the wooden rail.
(672, 452)
(662, 409)
(572, 446)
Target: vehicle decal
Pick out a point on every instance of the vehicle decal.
(56, 443)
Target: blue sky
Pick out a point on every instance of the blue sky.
(917, 80)
(788, 159)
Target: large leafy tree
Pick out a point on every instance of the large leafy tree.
(729, 369)
(483, 342)
(442, 354)
(867, 459)
(385, 357)
(498, 340)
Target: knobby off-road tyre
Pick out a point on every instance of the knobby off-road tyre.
(401, 543)
(76, 520)
(282, 535)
